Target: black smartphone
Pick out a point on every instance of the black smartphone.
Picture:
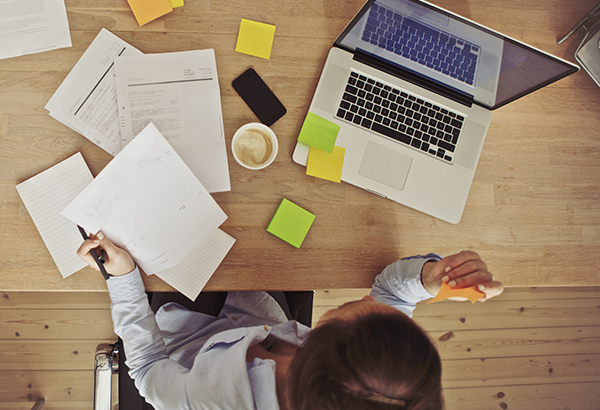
(259, 97)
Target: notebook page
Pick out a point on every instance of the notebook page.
(45, 196)
(191, 275)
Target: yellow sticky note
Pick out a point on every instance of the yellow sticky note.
(255, 38)
(446, 292)
(324, 165)
(147, 10)
(176, 3)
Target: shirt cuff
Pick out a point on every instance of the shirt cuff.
(127, 287)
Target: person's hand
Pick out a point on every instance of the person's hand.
(117, 262)
(461, 270)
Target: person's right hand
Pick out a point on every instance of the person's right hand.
(118, 261)
(461, 270)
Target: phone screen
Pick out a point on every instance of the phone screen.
(259, 97)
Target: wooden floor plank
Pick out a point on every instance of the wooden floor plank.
(487, 343)
(19, 324)
(495, 355)
(554, 369)
(54, 300)
(59, 385)
(508, 314)
(63, 354)
(571, 396)
(50, 405)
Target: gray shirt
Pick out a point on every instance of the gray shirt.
(182, 359)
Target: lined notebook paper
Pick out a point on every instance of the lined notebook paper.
(45, 196)
(191, 275)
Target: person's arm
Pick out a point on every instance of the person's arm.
(406, 282)
(158, 378)
(400, 285)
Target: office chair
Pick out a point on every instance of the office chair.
(588, 52)
(110, 358)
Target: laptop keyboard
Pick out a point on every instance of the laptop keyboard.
(428, 46)
(387, 110)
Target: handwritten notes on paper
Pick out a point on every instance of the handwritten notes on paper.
(173, 211)
(147, 10)
(291, 223)
(45, 196)
(174, 233)
(471, 293)
(255, 38)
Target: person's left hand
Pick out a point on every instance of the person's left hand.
(461, 270)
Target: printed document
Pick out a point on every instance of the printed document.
(86, 101)
(147, 201)
(32, 26)
(179, 93)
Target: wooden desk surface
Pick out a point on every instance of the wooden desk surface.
(533, 212)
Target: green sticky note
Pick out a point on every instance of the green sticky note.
(255, 38)
(176, 3)
(319, 132)
(291, 223)
(324, 165)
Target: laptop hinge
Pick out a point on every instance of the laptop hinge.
(451, 93)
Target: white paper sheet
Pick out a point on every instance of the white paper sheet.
(147, 201)
(179, 93)
(191, 275)
(45, 196)
(86, 101)
(32, 26)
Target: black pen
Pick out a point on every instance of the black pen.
(98, 261)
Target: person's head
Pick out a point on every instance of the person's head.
(366, 355)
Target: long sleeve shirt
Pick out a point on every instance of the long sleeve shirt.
(180, 359)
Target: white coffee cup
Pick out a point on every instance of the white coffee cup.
(254, 146)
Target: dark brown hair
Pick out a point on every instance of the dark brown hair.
(377, 361)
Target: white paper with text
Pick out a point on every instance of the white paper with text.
(32, 26)
(179, 93)
(147, 201)
(86, 101)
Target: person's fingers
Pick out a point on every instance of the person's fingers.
(84, 253)
(118, 261)
(464, 260)
(491, 289)
(465, 269)
(471, 278)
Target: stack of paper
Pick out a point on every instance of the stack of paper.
(145, 200)
(114, 91)
(86, 101)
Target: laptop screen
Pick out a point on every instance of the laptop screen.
(452, 51)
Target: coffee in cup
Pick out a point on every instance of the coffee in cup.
(254, 146)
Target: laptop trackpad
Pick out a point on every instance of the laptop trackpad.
(385, 165)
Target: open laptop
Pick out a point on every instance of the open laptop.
(412, 87)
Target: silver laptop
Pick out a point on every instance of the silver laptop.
(412, 87)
